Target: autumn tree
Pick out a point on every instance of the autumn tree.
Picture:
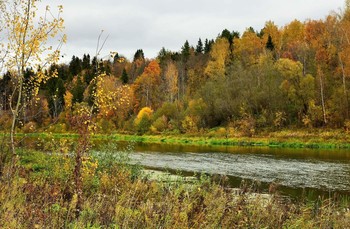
(112, 98)
(297, 88)
(342, 44)
(146, 86)
(218, 56)
(272, 38)
(294, 45)
(248, 48)
(26, 34)
(137, 66)
(318, 40)
(171, 81)
(143, 120)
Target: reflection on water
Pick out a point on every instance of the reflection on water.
(317, 170)
(312, 169)
(298, 173)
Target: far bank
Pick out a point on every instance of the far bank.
(301, 138)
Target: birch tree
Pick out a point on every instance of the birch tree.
(27, 35)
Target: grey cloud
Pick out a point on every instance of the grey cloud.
(152, 24)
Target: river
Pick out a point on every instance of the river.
(318, 171)
(297, 172)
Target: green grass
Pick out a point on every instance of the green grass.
(325, 139)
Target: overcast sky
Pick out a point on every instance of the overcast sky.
(153, 24)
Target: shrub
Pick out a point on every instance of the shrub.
(143, 120)
(30, 127)
(5, 121)
(160, 125)
(189, 124)
(247, 126)
(105, 126)
(143, 125)
(279, 120)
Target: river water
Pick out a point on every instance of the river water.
(295, 170)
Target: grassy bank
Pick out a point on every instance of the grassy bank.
(328, 139)
(115, 195)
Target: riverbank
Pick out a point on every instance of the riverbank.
(317, 138)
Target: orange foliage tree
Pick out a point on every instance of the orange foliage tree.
(146, 87)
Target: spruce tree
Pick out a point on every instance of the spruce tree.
(86, 61)
(139, 55)
(125, 77)
(227, 34)
(78, 91)
(185, 50)
(269, 44)
(206, 46)
(199, 47)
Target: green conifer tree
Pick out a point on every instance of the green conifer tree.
(269, 44)
(185, 50)
(199, 47)
(125, 77)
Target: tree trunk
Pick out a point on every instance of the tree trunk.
(322, 96)
(82, 124)
(20, 72)
(344, 88)
(15, 116)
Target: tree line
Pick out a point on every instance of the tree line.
(291, 76)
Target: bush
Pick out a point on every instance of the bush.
(143, 120)
(5, 121)
(169, 110)
(30, 127)
(247, 126)
(105, 126)
(189, 124)
(143, 125)
(160, 125)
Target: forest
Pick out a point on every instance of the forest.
(56, 173)
(291, 76)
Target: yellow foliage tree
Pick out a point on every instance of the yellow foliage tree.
(293, 41)
(218, 56)
(26, 35)
(68, 100)
(272, 30)
(171, 79)
(298, 88)
(248, 48)
(143, 120)
(144, 112)
(112, 98)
